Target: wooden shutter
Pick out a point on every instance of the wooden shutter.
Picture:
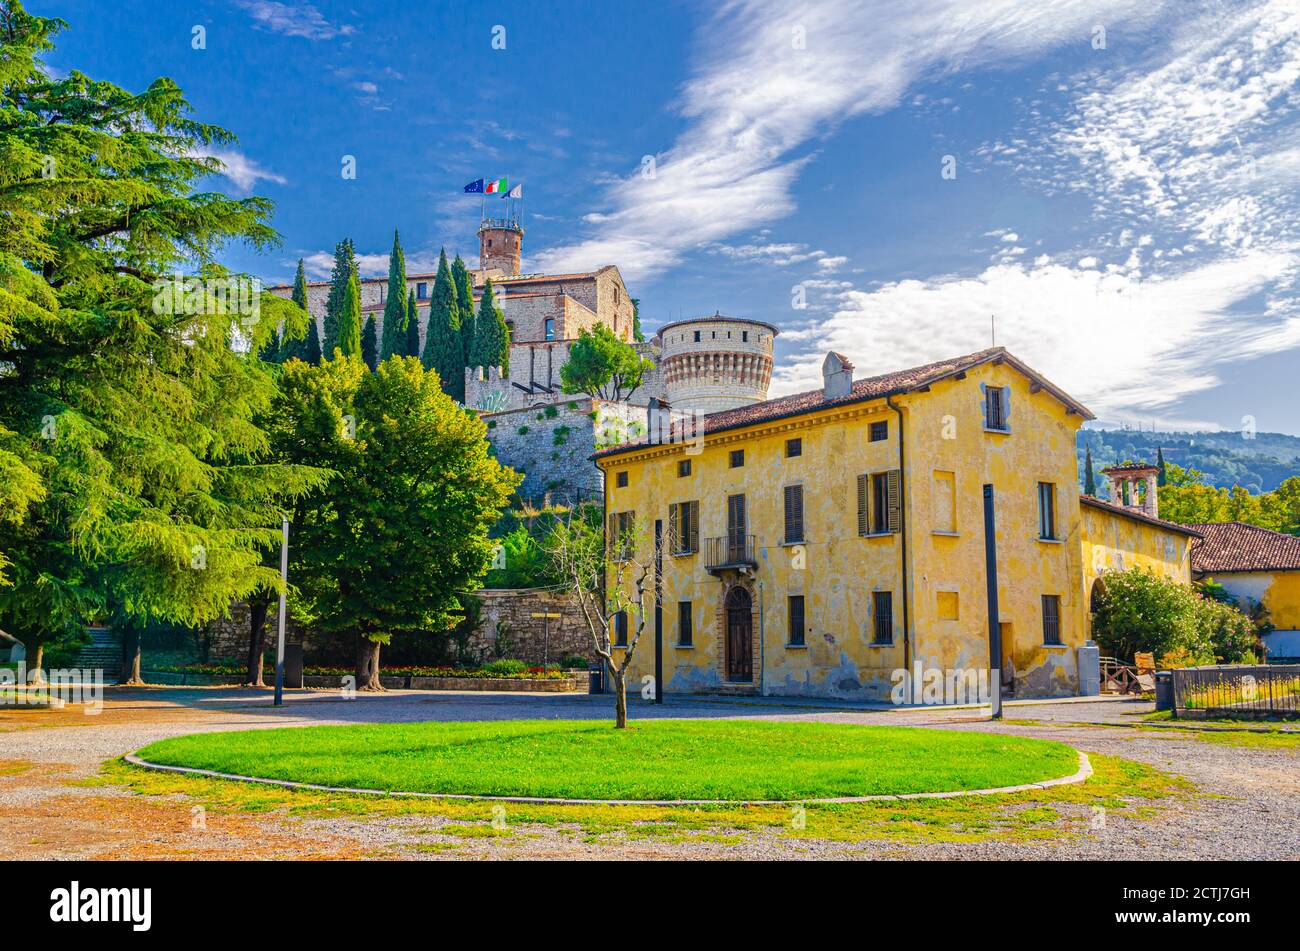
(893, 485)
(674, 529)
(793, 514)
(693, 526)
(863, 487)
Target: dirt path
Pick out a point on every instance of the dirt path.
(55, 801)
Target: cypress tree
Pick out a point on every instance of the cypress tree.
(271, 352)
(491, 335)
(442, 346)
(309, 349)
(1160, 461)
(1089, 480)
(349, 321)
(370, 343)
(345, 267)
(395, 311)
(460, 277)
(291, 347)
(412, 328)
(637, 333)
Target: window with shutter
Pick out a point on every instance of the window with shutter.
(1047, 510)
(620, 629)
(995, 408)
(793, 514)
(863, 512)
(693, 525)
(893, 501)
(795, 614)
(685, 625)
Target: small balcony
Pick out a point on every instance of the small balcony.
(729, 553)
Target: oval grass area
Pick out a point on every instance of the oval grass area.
(652, 759)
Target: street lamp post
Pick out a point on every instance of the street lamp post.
(284, 583)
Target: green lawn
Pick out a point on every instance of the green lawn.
(654, 759)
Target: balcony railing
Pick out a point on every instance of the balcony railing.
(730, 551)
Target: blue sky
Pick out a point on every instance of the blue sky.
(1124, 197)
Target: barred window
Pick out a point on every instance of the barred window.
(1052, 619)
(882, 603)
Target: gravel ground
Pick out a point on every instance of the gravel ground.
(1246, 804)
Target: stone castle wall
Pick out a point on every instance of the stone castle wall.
(510, 629)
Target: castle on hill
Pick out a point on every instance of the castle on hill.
(701, 365)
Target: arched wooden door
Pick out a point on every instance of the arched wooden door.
(740, 636)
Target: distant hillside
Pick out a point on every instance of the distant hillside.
(1259, 464)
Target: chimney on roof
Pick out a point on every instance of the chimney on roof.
(837, 376)
(659, 421)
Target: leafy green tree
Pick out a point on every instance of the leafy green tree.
(345, 268)
(442, 346)
(1141, 611)
(370, 343)
(395, 312)
(272, 350)
(416, 486)
(412, 327)
(349, 322)
(153, 493)
(603, 366)
(491, 335)
(464, 284)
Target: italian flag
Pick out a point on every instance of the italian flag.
(494, 187)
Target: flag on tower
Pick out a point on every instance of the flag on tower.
(516, 192)
(495, 187)
(475, 187)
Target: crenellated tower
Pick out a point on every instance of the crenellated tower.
(500, 244)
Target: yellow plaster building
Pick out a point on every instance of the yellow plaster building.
(816, 544)
(1256, 565)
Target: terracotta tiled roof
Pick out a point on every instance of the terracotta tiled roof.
(1236, 546)
(868, 388)
(1139, 516)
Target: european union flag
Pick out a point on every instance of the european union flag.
(475, 188)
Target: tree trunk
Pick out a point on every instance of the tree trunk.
(135, 642)
(257, 611)
(620, 697)
(36, 667)
(367, 671)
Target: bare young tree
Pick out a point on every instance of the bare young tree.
(610, 582)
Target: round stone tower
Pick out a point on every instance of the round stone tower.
(500, 244)
(709, 364)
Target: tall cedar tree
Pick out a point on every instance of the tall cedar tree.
(1089, 480)
(1163, 478)
(349, 328)
(370, 343)
(345, 266)
(417, 486)
(464, 283)
(442, 347)
(491, 335)
(637, 334)
(412, 328)
(395, 312)
(143, 490)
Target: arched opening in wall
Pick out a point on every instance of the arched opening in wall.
(1094, 602)
(740, 635)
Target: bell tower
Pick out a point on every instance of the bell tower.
(500, 244)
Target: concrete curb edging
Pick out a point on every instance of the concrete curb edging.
(1084, 771)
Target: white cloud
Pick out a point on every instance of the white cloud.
(293, 19)
(1117, 342)
(243, 172)
(755, 100)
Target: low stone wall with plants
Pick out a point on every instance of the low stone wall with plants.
(501, 675)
